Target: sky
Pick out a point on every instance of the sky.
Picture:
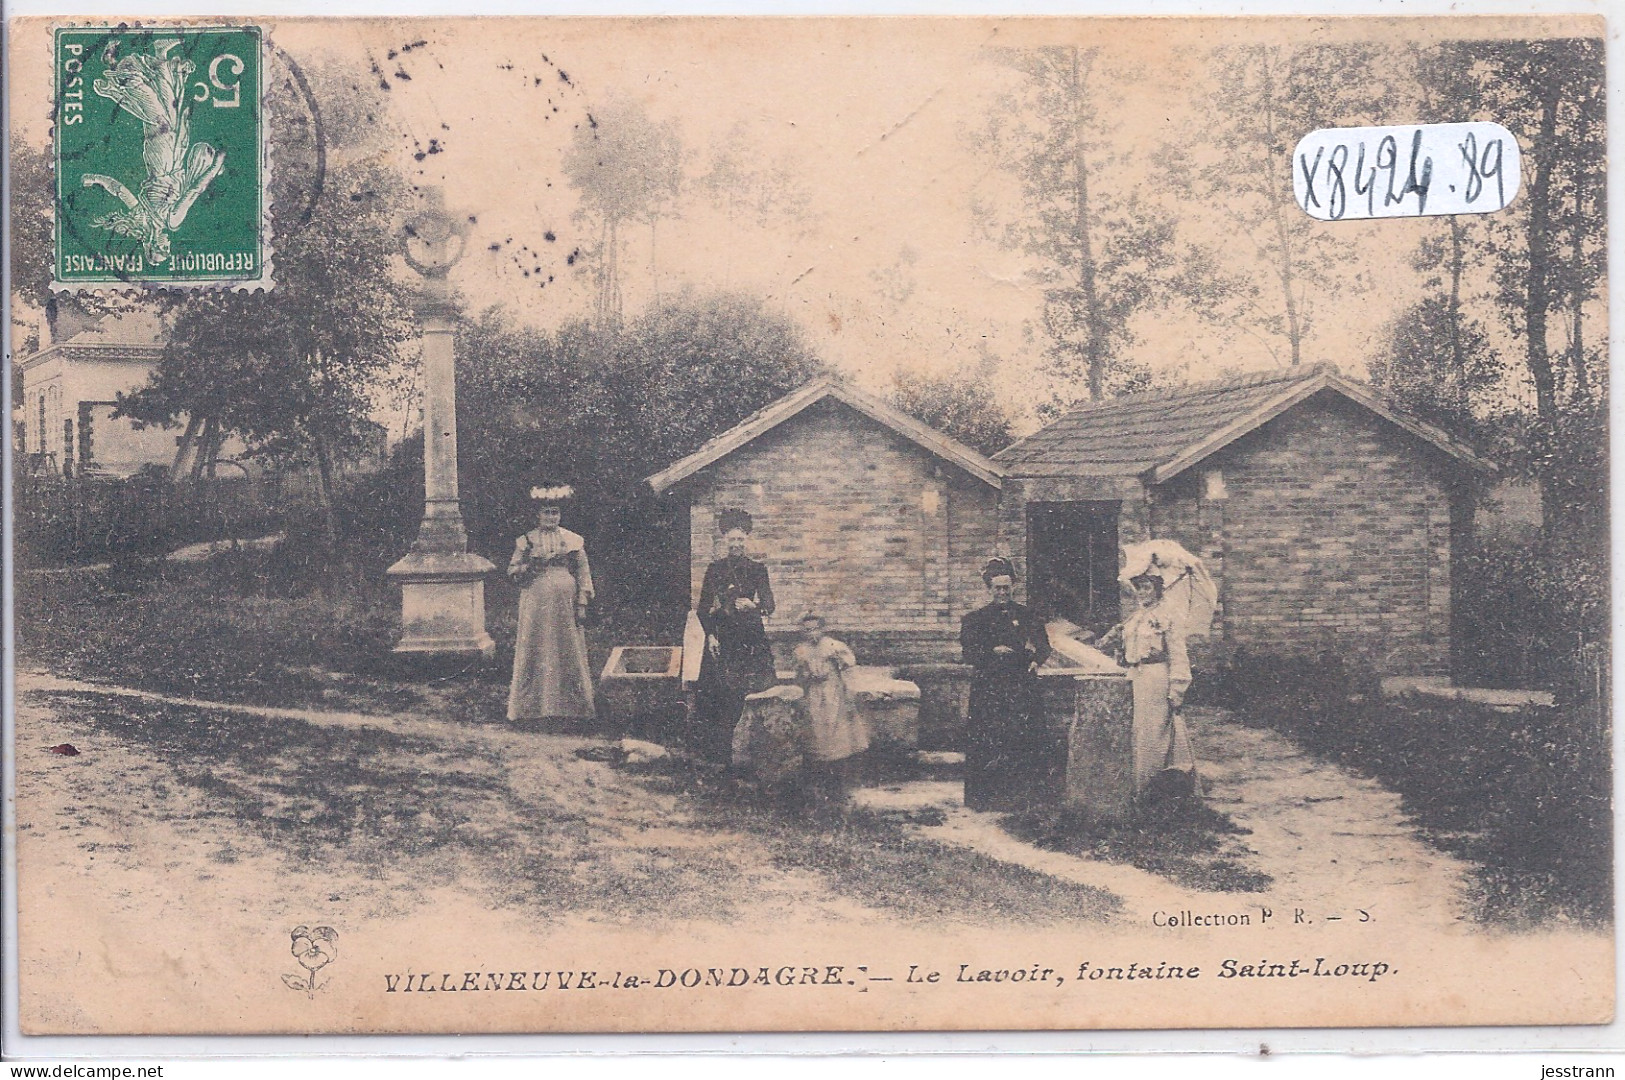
(870, 124)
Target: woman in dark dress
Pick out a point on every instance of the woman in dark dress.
(1006, 742)
(734, 599)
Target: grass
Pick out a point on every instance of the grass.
(871, 858)
(247, 627)
(1524, 796)
(1189, 843)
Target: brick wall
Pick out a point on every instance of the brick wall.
(876, 534)
(1334, 533)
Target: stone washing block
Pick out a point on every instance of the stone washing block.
(641, 690)
(889, 705)
(768, 739)
(1100, 746)
(944, 702)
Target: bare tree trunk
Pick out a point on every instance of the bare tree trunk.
(1537, 291)
(1283, 239)
(1458, 358)
(212, 452)
(608, 301)
(188, 439)
(1094, 345)
(204, 442)
(324, 473)
(1577, 296)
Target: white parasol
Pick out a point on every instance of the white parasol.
(1188, 591)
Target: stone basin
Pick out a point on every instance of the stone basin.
(890, 705)
(642, 691)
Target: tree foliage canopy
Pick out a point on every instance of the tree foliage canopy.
(293, 370)
(602, 411)
(1265, 98)
(961, 406)
(1098, 255)
(627, 168)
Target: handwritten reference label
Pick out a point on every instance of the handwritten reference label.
(1418, 170)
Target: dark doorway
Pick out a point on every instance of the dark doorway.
(1072, 561)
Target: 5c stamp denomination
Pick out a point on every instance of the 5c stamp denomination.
(160, 157)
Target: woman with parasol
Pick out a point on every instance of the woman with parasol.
(1176, 598)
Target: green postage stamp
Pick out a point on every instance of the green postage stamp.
(161, 163)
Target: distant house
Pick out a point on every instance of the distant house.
(862, 513)
(1327, 519)
(64, 421)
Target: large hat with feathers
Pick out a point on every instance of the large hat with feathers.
(551, 493)
(734, 518)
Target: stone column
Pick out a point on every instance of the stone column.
(442, 582)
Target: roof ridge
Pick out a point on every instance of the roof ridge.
(1230, 382)
(850, 395)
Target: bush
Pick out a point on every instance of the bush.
(61, 521)
(1527, 613)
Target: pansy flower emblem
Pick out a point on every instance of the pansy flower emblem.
(314, 948)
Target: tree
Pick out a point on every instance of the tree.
(752, 191)
(32, 193)
(1439, 366)
(1547, 252)
(960, 405)
(628, 168)
(1437, 360)
(1265, 98)
(292, 370)
(604, 411)
(33, 246)
(1100, 256)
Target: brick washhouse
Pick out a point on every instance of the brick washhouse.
(863, 514)
(1327, 518)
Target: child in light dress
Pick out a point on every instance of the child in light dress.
(836, 734)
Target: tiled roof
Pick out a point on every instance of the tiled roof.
(1163, 432)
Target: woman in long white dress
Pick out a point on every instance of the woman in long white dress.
(550, 673)
(1177, 599)
(1154, 650)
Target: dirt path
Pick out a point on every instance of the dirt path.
(117, 801)
(1336, 845)
(1142, 893)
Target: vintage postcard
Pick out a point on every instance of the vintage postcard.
(747, 524)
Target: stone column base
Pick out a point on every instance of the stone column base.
(443, 604)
